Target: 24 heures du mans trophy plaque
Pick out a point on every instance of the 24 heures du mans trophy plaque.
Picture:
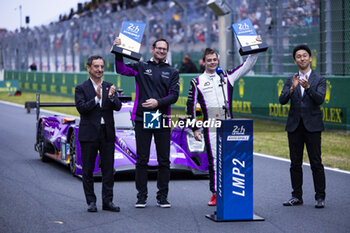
(246, 36)
(131, 37)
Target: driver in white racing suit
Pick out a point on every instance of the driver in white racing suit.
(207, 90)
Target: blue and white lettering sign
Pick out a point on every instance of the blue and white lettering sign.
(235, 170)
(246, 36)
(132, 31)
(234, 166)
(131, 36)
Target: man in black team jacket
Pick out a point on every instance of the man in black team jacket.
(306, 91)
(157, 87)
(95, 101)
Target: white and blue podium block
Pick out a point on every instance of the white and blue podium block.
(234, 172)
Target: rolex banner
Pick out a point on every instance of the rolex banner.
(9, 86)
(131, 36)
(246, 36)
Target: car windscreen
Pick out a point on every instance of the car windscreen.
(122, 120)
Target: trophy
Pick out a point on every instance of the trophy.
(246, 36)
(131, 37)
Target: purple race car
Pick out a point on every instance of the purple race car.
(57, 139)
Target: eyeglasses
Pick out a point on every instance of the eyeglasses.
(162, 49)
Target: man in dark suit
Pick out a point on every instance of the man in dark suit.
(95, 100)
(306, 91)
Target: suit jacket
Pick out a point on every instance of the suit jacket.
(91, 113)
(306, 107)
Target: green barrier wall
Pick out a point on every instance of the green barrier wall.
(254, 96)
(9, 86)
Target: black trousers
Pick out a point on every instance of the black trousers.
(312, 140)
(89, 152)
(211, 164)
(143, 144)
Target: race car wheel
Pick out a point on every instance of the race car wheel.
(41, 144)
(72, 154)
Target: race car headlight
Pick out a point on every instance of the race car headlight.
(193, 145)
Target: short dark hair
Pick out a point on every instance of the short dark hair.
(301, 47)
(208, 51)
(92, 58)
(161, 39)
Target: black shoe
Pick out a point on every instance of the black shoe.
(293, 201)
(319, 203)
(111, 207)
(92, 207)
(163, 203)
(141, 203)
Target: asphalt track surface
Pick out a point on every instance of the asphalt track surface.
(45, 197)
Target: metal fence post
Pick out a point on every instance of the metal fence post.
(328, 38)
(145, 12)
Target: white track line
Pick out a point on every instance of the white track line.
(307, 164)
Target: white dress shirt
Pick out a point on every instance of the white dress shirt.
(302, 76)
(97, 100)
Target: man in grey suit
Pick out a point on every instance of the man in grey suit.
(306, 91)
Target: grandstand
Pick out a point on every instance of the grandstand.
(60, 49)
(190, 26)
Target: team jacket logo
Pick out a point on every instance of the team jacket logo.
(148, 72)
(165, 74)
